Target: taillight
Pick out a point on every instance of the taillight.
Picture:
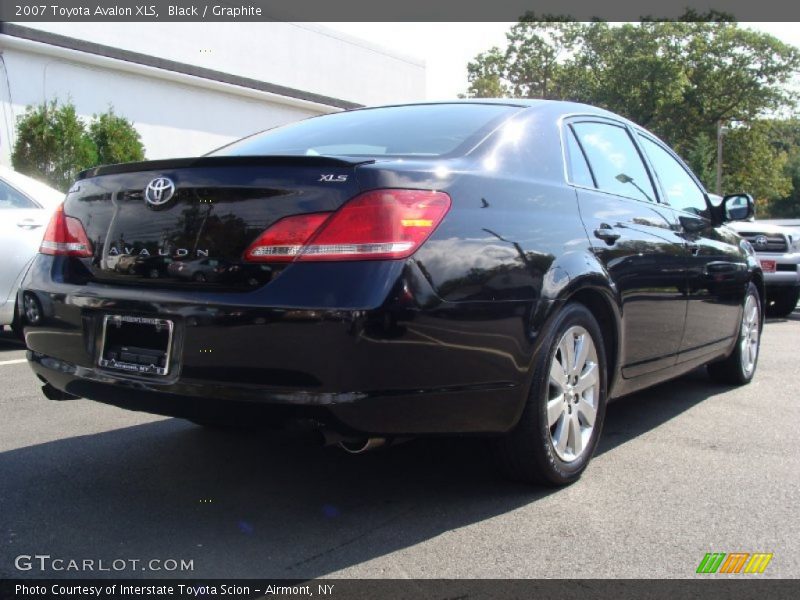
(283, 241)
(379, 224)
(65, 236)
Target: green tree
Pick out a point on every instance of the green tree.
(787, 206)
(536, 54)
(52, 144)
(701, 157)
(786, 137)
(677, 78)
(115, 139)
(485, 75)
(753, 163)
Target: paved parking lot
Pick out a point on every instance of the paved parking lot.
(686, 468)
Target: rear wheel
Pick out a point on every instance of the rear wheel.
(563, 416)
(32, 308)
(740, 366)
(782, 301)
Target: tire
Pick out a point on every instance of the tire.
(782, 301)
(545, 450)
(740, 366)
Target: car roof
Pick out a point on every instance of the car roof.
(43, 194)
(563, 107)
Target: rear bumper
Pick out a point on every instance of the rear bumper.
(474, 409)
(407, 364)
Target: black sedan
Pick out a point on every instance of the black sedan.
(485, 267)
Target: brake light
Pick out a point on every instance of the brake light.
(379, 224)
(283, 241)
(65, 236)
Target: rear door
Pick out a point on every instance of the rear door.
(633, 239)
(717, 268)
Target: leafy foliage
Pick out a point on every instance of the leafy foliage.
(677, 78)
(786, 137)
(115, 138)
(753, 163)
(53, 144)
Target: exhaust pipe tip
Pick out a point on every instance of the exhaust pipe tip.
(358, 445)
(361, 445)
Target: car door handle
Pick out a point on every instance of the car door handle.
(693, 248)
(607, 234)
(720, 268)
(29, 224)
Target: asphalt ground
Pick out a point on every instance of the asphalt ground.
(683, 469)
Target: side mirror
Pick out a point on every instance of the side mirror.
(738, 207)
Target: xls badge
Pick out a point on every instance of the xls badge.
(331, 178)
(159, 191)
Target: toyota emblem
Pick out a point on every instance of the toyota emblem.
(159, 191)
(761, 241)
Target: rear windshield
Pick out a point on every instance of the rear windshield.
(417, 130)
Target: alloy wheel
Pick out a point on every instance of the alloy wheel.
(573, 393)
(32, 310)
(749, 335)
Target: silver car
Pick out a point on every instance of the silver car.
(25, 209)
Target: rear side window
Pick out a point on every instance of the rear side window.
(416, 130)
(615, 162)
(681, 190)
(579, 172)
(11, 198)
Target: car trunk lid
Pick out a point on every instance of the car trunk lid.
(195, 231)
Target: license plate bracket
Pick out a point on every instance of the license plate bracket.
(136, 345)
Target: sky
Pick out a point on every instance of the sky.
(446, 48)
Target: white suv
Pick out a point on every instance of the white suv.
(778, 249)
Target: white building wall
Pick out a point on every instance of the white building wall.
(182, 115)
(305, 56)
(173, 118)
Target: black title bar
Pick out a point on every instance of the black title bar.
(376, 10)
(739, 588)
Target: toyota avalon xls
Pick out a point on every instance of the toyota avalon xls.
(486, 267)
